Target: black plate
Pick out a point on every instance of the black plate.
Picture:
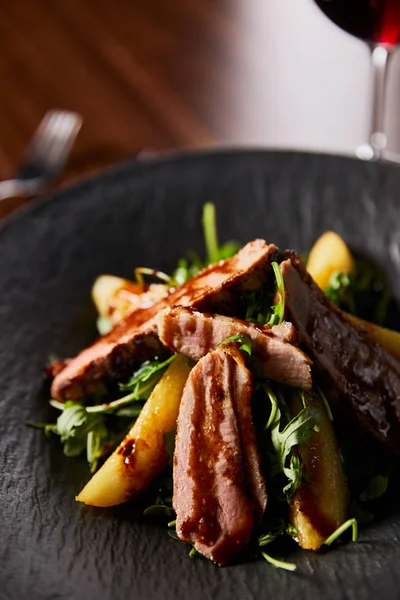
(149, 214)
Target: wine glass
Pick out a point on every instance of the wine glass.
(377, 22)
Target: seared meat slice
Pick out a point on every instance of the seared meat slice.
(194, 334)
(242, 406)
(55, 367)
(135, 339)
(361, 378)
(217, 477)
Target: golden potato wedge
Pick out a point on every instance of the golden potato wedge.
(115, 297)
(319, 506)
(142, 455)
(387, 338)
(105, 290)
(328, 255)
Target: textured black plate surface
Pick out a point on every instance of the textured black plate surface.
(149, 214)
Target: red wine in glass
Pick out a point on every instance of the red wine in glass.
(377, 22)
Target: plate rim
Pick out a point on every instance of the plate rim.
(175, 156)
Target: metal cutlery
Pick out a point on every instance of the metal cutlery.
(45, 156)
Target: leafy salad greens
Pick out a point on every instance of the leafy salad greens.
(97, 425)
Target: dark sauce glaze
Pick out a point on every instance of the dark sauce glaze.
(204, 521)
(214, 288)
(128, 450)
(308, 498)
(211, 498)
(346, 364)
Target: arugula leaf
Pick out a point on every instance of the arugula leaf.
(144, 379)
(258, 304)
(186, 269)
(75, 421)
(47, 427)
(191, 266)
(376, 487)
(295, 433)
(74, 446)
(94, 427)
(97, 442)
(364, 293)
(74, 426)
(244, 341)
(278, 310)
(339, 290)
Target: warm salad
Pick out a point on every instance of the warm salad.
(233, 390)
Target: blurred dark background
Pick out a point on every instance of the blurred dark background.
(158, 75)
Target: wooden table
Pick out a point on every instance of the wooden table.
(164, 74)
(144, 75)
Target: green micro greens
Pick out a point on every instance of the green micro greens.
(279, 564)
(144, 379)
(278, 309)
(141, 271)
(210, 233)
(376, 487)
(351, 523)
(295, 433)
(189, 267)
(240, 338)
(258, 304)
(364, 293)
(98, 428)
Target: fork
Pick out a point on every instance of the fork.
(45, 156)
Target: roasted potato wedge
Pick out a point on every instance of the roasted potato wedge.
(106, 297)
(115, 297)
(142, 455)
(328, 255)
(319, 506)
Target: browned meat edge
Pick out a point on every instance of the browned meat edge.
(252, 463)
(194, 334)
(135, 339)
(361, 378)
(211, 498)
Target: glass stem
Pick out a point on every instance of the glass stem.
(380, 60)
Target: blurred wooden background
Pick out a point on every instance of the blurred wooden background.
(189, 73)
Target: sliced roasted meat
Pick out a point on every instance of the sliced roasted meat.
(242, 405)
(217, 477)
(194, 334)
(361, 378)
(55, 367)
(133, 340)
(286, 331)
